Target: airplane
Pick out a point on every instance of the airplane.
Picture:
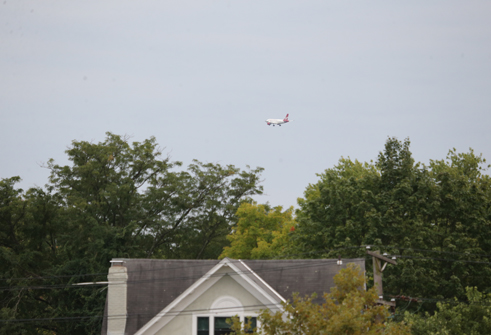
(278, 122)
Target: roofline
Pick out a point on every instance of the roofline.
(262, 281)
(226, 261)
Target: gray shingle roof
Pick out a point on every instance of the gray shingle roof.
(153, 283)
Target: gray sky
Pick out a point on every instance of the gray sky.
(202, 76)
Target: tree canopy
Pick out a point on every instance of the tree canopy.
(435, 218)
(114, 199)
(261, 232)
(472, 317)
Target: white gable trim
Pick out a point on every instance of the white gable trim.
(272, 300)
(262, 281)
(201, 286)
(160, 320)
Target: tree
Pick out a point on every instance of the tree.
(261, 232)
(348, 309)
(115, 199)
(29, 257)
(435, 217)
(472, 317)
(123, 199)
(331, 214)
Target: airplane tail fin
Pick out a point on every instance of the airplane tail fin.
(286, 118)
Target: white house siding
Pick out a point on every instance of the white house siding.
(226, 286)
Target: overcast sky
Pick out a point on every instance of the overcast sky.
(202, 76)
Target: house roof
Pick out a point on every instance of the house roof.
(154, 284)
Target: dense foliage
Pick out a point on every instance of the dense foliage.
(116, 199)
(261, 232)
(348, 309)
(436, 218)
(471, 317)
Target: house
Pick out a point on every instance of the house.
(195, 297)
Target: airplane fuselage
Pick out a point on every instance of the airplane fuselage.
(278, 122)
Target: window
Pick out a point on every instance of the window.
(203, 326)
(222, 327)
(253, 324)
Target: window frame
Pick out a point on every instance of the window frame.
(224, 306)
(212, 316)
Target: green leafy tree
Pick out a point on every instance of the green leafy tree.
(472, 317)
(114, 199)
(261, 232)
(436, 217)
(348, 309)
(123, 200)
(28, 251)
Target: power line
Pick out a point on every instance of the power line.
(290, 256)
(441, 259)
(312, 263)
(125, 316)
(66, 285)
(71, 285)
(208, 310)
(432, 250)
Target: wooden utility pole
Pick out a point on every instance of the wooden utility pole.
(377, 275)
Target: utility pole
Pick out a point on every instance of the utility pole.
(377, 275)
